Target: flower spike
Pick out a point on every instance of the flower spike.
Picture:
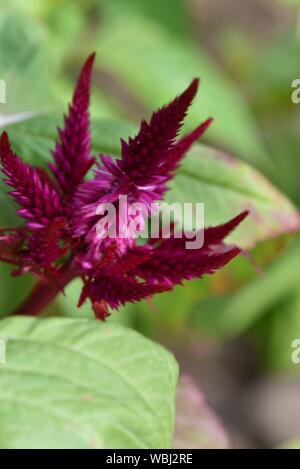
(142, 171)
(61, 241)
(39, 200)
(72, 159)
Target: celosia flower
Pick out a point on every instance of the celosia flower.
(60, 240)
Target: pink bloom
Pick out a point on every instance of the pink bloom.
(60, 239)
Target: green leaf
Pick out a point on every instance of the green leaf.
(227, 186)
(84, 384)
(25, 64)
(172, 15)
(155, 67)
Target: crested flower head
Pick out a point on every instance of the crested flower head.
(66, 233)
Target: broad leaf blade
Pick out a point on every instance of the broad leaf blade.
(84, 384)
(227, 187)
(24, 63)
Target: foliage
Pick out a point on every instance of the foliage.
(250, 160)
(80, 384)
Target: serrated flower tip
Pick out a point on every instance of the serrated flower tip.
(72, 153)
(40, 202)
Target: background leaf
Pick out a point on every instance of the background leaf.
(172, 15)
(227, 186)
(25, 64)
(140, 53)
(196, 427)
(84, 384)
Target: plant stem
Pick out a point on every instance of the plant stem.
(44, 293)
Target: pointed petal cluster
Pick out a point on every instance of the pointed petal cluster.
(147, 163)
(39, 200)
(45, 248)
(148, 160)
(72, 159)
(11, 244)
(158, 268)
(150, 149)
(62, 217)
(171, 263)
(117, 290)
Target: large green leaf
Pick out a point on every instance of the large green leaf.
(227, 186)
(84, 384)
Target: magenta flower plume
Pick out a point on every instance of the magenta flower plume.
(72, 159)
(148, 161)
(61, 239)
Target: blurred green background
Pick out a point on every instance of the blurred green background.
(232, 331)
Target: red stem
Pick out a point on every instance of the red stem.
(44, 293)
